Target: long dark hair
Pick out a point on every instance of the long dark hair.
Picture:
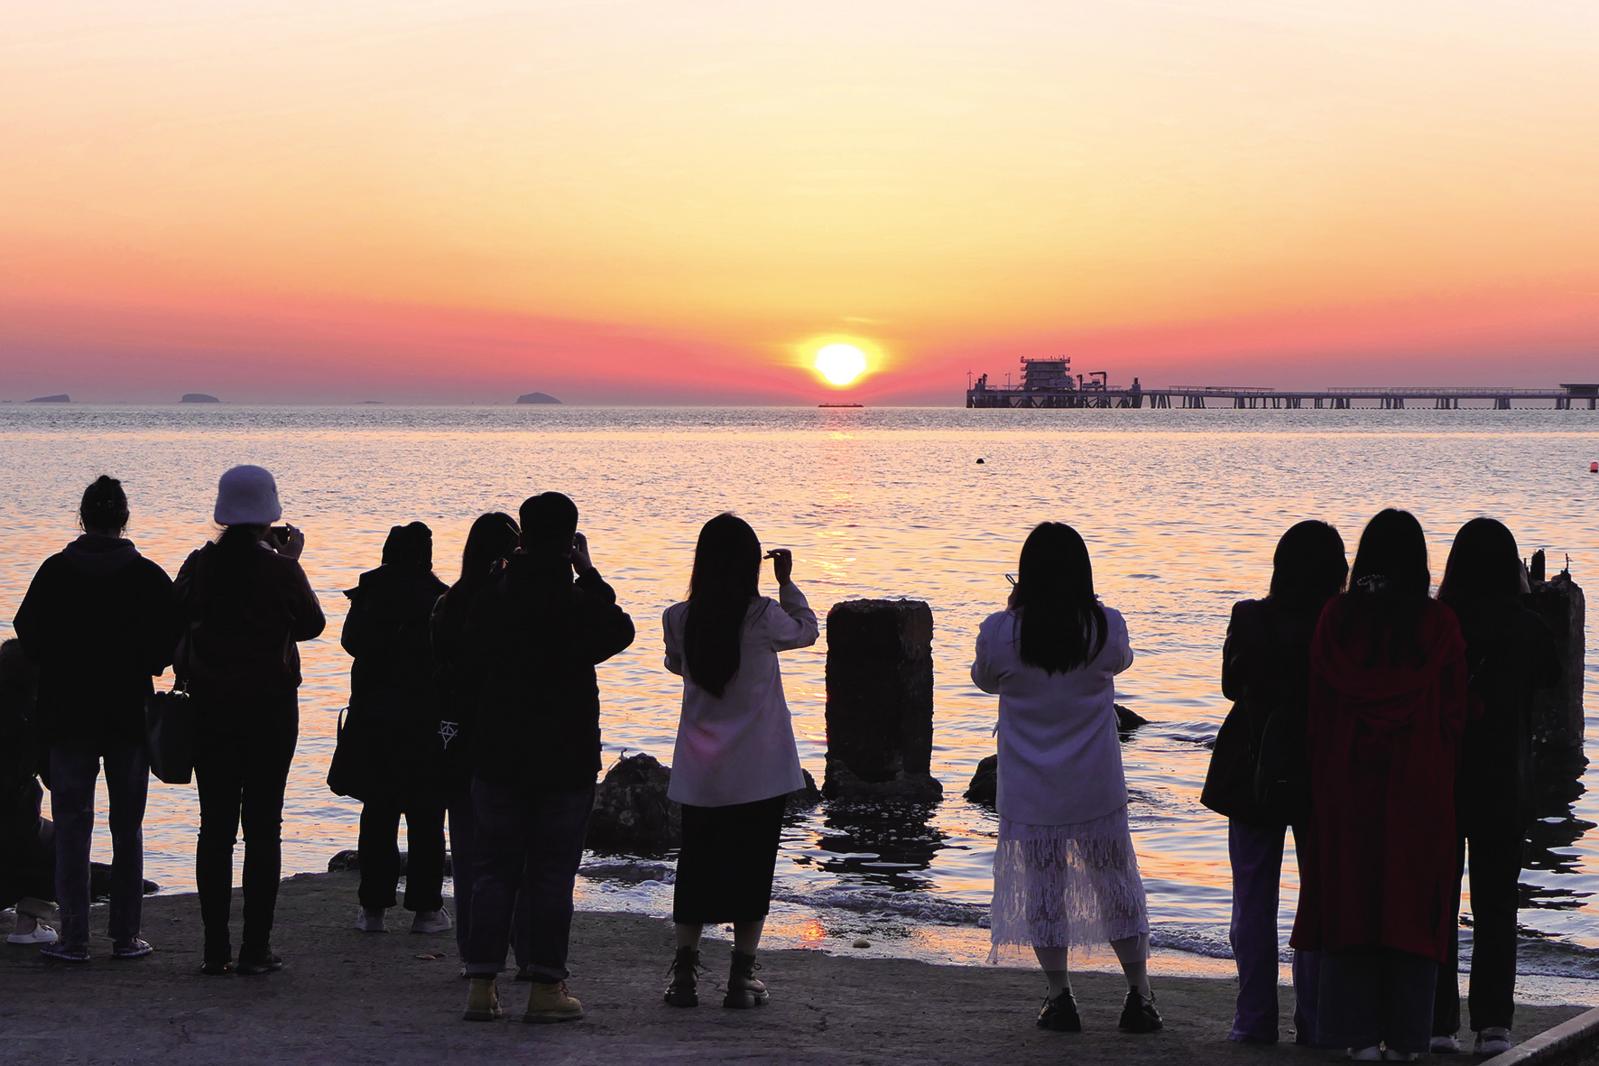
(727, 570)
(493, 537)
(1060, 621)
(1484, 566)
(1388, 588)
(104, 507)
(1309, 567)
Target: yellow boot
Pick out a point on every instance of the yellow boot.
(483, 1001)
(550, 1002)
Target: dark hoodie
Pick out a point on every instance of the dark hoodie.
(1384, 740)
(98, 622)
(392, 678)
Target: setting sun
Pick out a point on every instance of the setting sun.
(840, 364)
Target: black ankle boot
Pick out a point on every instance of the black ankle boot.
(1139, 1014)
(743, 988)
(684, 971)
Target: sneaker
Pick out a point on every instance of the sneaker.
(1445, 1045)
(550, 1002)
(744, 989)
(1139, 1014)
(255, 964)
(369, 920)
(685, 972)
(39, 934)
(61, 953)
(1365, 1054)
(217, 967)
(131, 949)
(1060, 1014)
(1494, 1040)
(432, 922)
(482, 1001)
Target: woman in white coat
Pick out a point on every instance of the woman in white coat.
(735, 762)
(1065, 873)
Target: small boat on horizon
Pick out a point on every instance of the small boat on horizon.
(840, 405)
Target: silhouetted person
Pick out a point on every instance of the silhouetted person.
(735, 761)
(492, 540)
(1259, 774)
(1065, 872)
(538, 752)
(27, 840)
(244, 604)
(392, 686)
(1510, 654)
(98, 622)
(1387, 708)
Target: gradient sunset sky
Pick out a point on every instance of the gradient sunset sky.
(636, 202)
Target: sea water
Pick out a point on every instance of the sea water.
(1181, 511)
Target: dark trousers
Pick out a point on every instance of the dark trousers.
(530, 840)
(73, 773)
(1495, 873)
(1372, 996)
(1256, 853)
(242, 771)
(464, 853)
(380, 852)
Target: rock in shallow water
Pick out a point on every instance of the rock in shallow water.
(631, 811)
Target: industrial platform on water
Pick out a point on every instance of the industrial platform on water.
(1048, 383)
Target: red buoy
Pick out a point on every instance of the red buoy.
(1593, 468)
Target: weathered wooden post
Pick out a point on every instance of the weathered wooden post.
(1557, 713)
(880, 701)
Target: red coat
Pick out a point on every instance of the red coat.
(1383, 747)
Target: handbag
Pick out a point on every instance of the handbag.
(169, 734)
(350, 771)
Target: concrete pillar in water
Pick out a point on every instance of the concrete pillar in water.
(1557, 713)
(880, 701)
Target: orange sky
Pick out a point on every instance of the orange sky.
(456, 201)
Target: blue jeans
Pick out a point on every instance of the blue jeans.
(464, 853)
(73, 772)
(530, 842)
(1257, 859)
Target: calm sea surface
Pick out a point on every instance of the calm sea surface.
(1181, 510)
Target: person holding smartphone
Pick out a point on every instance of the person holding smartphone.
(243, 604)
(735, 761)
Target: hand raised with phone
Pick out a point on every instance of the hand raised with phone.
(782, 564)
(580, 553)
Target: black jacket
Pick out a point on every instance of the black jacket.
(458, 672)
(20, 795)
(1510, 654)
(1259, 771)
(538, 635)
(392, 678)
(241, 611)
(98, 622)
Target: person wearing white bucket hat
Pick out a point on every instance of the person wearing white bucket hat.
(244, 603)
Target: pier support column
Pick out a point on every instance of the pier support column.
(880, 700)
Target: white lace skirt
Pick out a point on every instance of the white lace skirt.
(1066, 886)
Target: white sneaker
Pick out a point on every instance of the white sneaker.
(40, 934)
(1365, 1054)
(1493, 1041)
(1445, 1045)
(432, 922)
(369, 920)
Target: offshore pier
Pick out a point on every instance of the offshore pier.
(1050, 383)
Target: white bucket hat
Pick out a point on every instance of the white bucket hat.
(247, 496)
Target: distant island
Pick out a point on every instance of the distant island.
(198, 397)
(59, 397)
(536, 397)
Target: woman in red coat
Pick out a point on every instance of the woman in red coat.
(1387, 709)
